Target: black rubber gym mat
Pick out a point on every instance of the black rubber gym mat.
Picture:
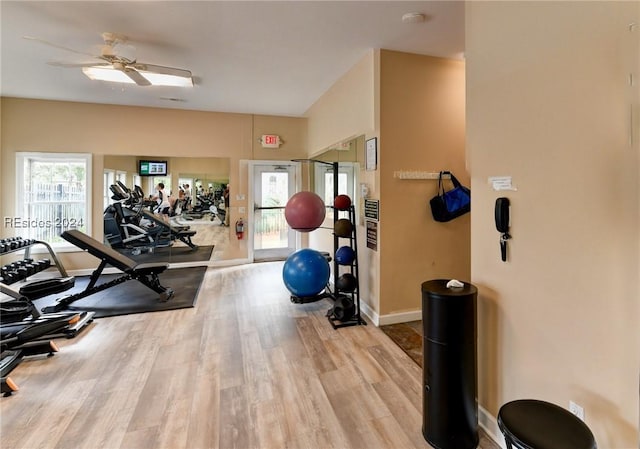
(132, 296)
(172, 254)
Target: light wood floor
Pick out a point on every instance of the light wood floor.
(245, 368)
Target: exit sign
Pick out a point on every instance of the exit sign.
(270, 141)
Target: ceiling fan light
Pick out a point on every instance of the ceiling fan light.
(161, 79)
(118, 76)
(107, 74)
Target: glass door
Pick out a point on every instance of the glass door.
(273, 185)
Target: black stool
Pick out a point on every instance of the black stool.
(531, 424)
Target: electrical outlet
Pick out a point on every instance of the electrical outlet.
(576, 410)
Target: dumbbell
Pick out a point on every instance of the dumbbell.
(31, 269)
(9, 276)
(3, 248)
(30, 266)
(21, 265)
(43, 264)
(23, 273)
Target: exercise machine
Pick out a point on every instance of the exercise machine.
(134, 223)
(23, 339)
(145, 273)
(15, 283)
(24, 331)
(122, 229)
(175, 232)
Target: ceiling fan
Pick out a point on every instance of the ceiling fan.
(118, 68)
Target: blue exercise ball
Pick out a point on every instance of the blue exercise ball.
(345, 255)
(306, 272)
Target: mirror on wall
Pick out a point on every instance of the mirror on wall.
(349, 155)
(185, 223)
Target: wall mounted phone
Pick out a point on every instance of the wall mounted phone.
(502, 212)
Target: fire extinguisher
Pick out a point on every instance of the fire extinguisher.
(240, 229)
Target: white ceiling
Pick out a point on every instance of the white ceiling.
(253, 57)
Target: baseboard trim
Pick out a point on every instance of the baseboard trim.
(402, 317)
(490, 425)
(370, 313)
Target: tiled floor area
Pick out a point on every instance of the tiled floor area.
(408, 336)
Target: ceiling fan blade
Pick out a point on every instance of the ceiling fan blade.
(162, 69)
(136, 77)
(61, 47)
(79, 64)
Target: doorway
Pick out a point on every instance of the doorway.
(273, 185)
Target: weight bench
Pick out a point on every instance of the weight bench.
(145, 273)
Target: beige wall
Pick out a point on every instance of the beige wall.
(350, 109)
(346, 110)
(52, 126)
(548, 103)
(292, 130)
(415, 106)
(422, 127)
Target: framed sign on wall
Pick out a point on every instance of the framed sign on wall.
(371, 152)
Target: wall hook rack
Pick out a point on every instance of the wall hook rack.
(413, 175)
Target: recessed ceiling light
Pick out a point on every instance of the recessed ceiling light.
(413, 17)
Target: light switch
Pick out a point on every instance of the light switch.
(241, 210)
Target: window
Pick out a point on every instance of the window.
(324, 181)
(166, 180)
(109, 180)
(137, 181)
(53, 195)
(121, 176)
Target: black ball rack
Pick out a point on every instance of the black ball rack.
(351, 319)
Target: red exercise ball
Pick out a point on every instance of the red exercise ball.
(342, 202)
(305, 211)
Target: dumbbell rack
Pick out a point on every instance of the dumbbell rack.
(14, 244)
(355, 294)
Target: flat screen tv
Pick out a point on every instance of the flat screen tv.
(152, 168)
